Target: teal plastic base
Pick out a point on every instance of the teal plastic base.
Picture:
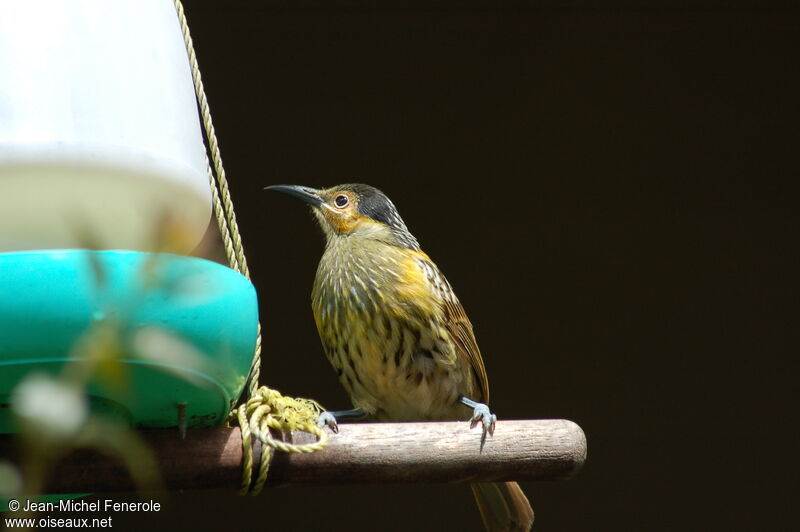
(48, 299)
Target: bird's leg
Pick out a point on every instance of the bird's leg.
(480, 412)
(331, 418)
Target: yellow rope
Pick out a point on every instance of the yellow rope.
(268, 409)
(265, 409)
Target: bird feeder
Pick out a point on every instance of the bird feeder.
(100, 141)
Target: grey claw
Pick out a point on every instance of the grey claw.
(326, 418)
(481, 413)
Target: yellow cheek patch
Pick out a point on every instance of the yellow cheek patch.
(341, 222)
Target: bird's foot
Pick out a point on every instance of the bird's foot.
(482, 414)
(330, 419)
(327, 419)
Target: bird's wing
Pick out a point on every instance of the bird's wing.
(461, 330)
(459, 327)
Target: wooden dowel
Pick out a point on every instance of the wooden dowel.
(359, 453)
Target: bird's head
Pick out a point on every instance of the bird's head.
(354, 210)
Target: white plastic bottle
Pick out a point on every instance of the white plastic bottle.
(99, 132)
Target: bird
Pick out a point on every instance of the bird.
(395, 332)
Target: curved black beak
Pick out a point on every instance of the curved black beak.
(307, 194)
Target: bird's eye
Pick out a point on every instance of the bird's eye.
(341, 201)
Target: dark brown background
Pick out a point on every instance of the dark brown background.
(606, 187)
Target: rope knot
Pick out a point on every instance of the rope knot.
(267, 409)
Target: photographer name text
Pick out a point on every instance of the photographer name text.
(106, 505)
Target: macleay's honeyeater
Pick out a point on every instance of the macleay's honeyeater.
(394, 331)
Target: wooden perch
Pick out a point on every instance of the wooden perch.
(359, 453)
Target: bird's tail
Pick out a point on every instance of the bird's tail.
(503, 506)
